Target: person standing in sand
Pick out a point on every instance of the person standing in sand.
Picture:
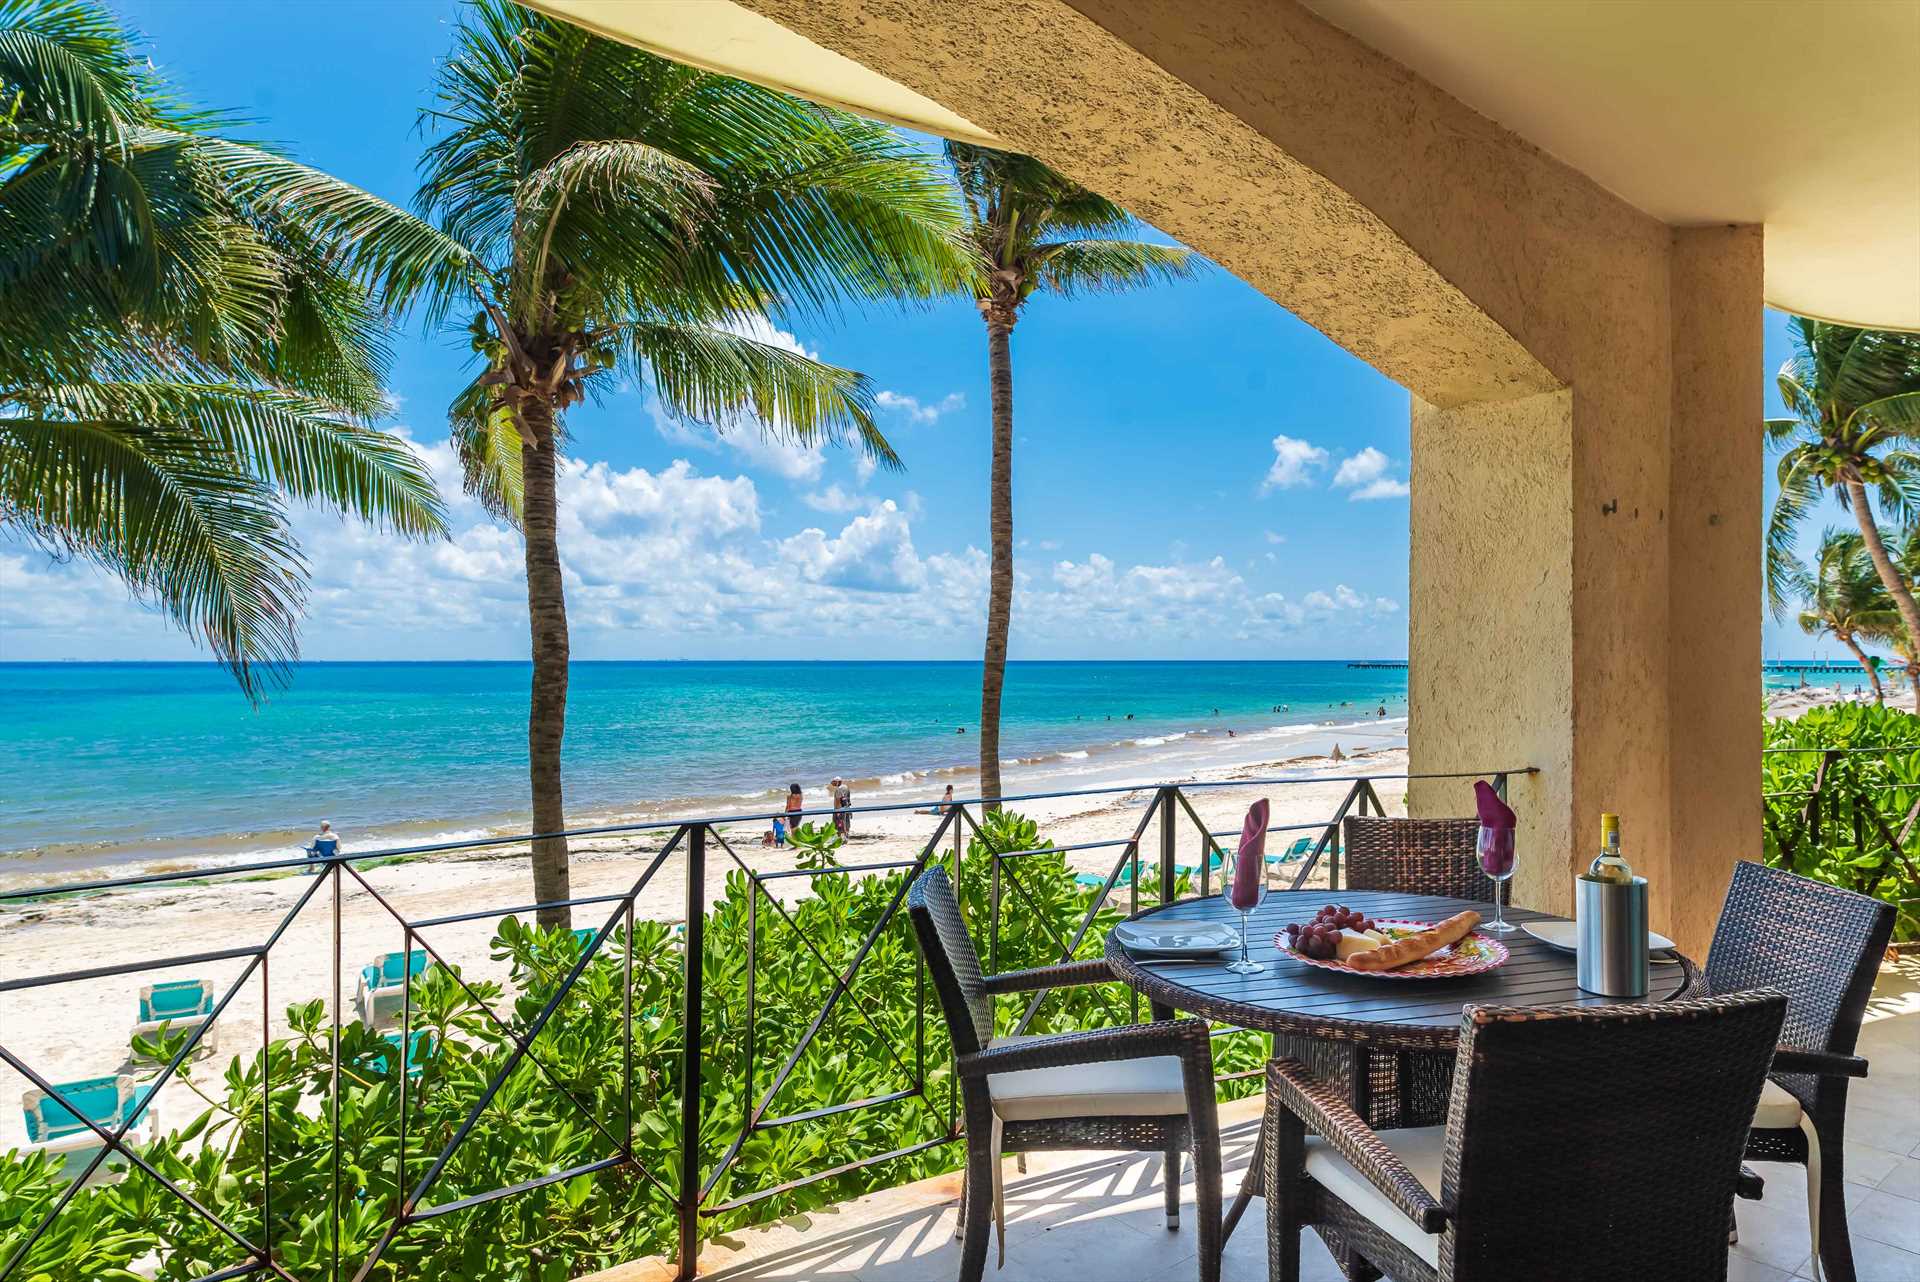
(842, 799)
(795, 804)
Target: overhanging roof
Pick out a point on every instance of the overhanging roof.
(1803, 115)
(717, 35)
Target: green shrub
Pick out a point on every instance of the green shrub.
(1848, 818)
(569, 1109)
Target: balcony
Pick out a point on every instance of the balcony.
(464, 1090)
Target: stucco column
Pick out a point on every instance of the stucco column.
(1585, 599)
(1715, 518)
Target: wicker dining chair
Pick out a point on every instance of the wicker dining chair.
(1821, 946)
(1141, 1088)
(1581, 1143)
(1420, 856)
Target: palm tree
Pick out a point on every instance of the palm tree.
(1854, 400)
(187, 339)
(1029, 229)
(1845, 598)
(629, 214)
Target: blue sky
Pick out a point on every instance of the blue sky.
(1157, 517)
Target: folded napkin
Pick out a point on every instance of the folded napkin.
(1249, 866)
(1494, 813)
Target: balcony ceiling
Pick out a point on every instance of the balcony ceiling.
(1804, 116)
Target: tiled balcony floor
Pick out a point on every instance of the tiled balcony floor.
(1092, 1217)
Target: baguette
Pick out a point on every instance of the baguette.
(1414, 947)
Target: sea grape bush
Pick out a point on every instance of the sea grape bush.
(1848, 818)
(264, 1135)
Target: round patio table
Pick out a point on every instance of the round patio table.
(1386, 1043)
(1298, 1000)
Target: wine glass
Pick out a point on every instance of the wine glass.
(1245, 898)
(1495, 852)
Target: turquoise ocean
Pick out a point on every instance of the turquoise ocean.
(135, 761)
(117, 766)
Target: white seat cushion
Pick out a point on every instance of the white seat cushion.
(1422, 1148)
(1150, 1087)
(1778, 1110)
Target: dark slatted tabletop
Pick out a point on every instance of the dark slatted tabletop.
(1295, 998)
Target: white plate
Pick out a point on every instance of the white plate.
(1176, 939)
(1564, 935)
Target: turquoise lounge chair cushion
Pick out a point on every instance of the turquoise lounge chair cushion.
(389, 969)
(419, 1052)
(97, 1098)
(177, 999)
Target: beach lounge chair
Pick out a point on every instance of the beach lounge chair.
(54, 1125)
(420, 1050)
(383, 984)
(177, 1006)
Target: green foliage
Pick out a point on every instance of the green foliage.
(1848, 818)
(814, 845)
(570, 1108)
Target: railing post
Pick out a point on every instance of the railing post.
(1168, 836)
(689, 1207)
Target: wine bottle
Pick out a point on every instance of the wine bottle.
(1608, 866)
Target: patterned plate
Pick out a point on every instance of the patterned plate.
(1471, 956)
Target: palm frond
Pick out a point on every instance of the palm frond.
(1075, 267)
(1800, 490)
(203, 540)
(280, 440)
(70, 70)
(722, 378)
(374, 241)
(487, 441)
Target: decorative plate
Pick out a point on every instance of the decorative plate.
(1473, 955)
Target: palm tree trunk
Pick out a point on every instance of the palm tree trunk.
(1877, 549)
(547, 618)
(1000, 580)
(1873, 673)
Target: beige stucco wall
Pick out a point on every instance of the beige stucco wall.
(1475, 270)
(1490, 572)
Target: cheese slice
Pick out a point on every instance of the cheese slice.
(1355, 941)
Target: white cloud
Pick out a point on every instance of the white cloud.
(834, 499)
(1369, 464)
(1275, 538)
(1365, 474)
(1294, 462)
(914, 411)
(1384, 488)
(677, 560)
(873, 553)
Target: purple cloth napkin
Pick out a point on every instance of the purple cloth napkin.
(1249, 868)
(1494, 813)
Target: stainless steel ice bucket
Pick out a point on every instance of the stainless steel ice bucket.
(1612, 936)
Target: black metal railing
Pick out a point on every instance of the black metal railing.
(693, 1188)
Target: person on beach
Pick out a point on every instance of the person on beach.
(1383, 709)
(842, 799)
(795, 804)
(325, 845)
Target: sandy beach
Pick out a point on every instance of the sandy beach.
(81, 1029)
